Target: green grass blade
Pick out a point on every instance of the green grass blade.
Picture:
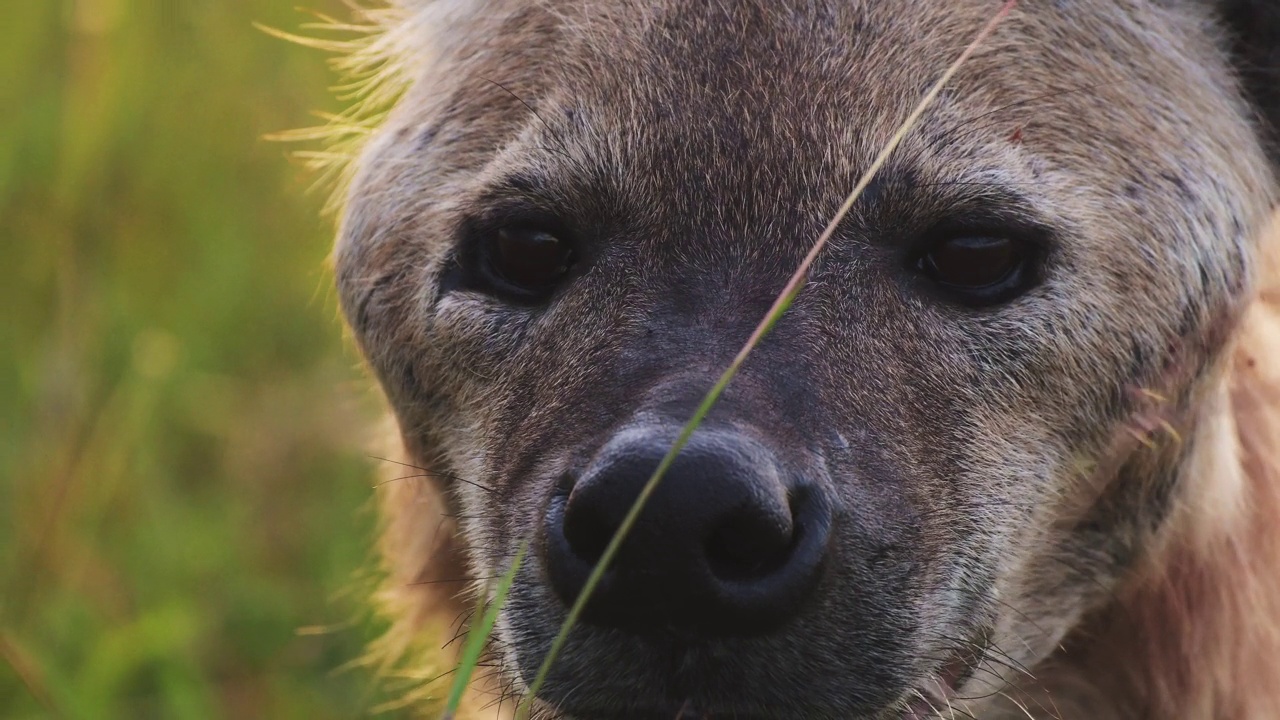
(479, 634)
(780, 306)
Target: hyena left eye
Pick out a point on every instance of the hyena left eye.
(526, 261)
(979, 270)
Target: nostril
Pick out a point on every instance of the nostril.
(749, 544)
(588, 533)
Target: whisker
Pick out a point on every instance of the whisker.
(428, 473)
(564, 151)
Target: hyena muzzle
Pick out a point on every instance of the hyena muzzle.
(984, 428)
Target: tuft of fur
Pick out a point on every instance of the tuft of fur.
(376, 54)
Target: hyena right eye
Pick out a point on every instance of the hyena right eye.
(979, 269)
(523, 263)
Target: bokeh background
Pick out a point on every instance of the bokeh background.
(185, 498)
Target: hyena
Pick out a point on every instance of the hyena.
(1010, 453)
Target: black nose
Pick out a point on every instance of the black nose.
(726, 545)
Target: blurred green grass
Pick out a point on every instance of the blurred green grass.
(184, 498)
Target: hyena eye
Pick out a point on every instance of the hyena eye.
(526, 261)
(978, 269)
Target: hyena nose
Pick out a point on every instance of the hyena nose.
(725, 545)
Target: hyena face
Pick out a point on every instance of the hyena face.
(913, 488)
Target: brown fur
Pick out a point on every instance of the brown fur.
(1145, 582)
(1195, 632)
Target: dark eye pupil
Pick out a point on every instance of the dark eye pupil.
(529, 259)
(973, 262)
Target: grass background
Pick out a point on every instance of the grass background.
(185, 512)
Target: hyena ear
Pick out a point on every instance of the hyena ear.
(1254, 37)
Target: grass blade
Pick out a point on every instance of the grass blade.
(478, 635)
(780, 305)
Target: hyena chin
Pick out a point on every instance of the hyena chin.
(1010, 453)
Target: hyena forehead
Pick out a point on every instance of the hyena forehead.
(735, 111)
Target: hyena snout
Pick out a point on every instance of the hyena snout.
(729, 543)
